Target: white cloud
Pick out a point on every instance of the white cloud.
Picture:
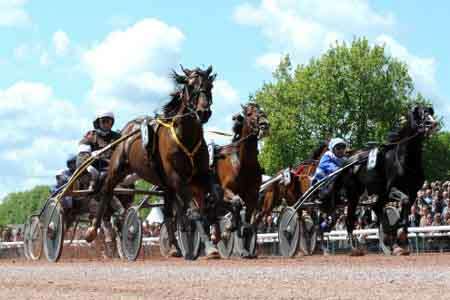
(423, 70)
(38, 131)
(12, 13)
(305, 28)
(130, 68)
(61, 42)
(269, 61)
(226, 100)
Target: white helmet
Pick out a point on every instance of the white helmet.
(83, 148)
(336, 141)
(104, 114)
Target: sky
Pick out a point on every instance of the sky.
(63, 61)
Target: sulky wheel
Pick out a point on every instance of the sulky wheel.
(132, 234)
(188, 238)
(33, 238)
(288, 232)
(245, 240)
(53, 231)
(165, 246)
(26, 235)
(227, 238)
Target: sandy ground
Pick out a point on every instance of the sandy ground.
(318, 277)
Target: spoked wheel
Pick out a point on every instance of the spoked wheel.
(118, 242)
(165, 246)
(288, 232)
(53, 232)
(33, 238)
(132, 234)
(246, 241)
(188, 238)
(226, 243)
(26, 234)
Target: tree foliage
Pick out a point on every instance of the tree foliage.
(16, 207)
(352, 91)
(437, 157)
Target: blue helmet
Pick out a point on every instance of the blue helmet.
(71, 158)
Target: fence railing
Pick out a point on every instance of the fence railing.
(420, 236)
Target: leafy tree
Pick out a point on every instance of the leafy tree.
(353, 91)
(16, 207)
(437, 157)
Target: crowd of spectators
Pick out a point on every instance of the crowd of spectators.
(11, 234)
(432, 205)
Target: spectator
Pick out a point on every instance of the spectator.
(447, 218)
(18, 236)
(428, 197)
(437, 220)
(437, 205)
(414, 217)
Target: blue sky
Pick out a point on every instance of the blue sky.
(63, 61)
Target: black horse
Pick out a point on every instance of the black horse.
(393, 171)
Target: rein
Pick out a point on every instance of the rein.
(189, 154)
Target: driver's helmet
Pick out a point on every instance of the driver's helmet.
(335, 142)
(105, 114)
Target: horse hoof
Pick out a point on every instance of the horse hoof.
(402, 235)
(91, 234)
(399, 251)
(212, 253)
(174, 253)
(357, 252)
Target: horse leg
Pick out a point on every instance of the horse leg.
(115, 175)
(188, 207)
(401, 246)
(350, 222)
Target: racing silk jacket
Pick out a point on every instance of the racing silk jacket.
(327, 165)
(96, 142)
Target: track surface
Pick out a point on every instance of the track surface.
(317, 277)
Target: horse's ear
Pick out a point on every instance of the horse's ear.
(185, 71)
(180, 79)
(209, 70)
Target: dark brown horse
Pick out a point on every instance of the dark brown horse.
(300, 181)
(178, 158)
(236, 165)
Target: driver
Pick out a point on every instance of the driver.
(332, 160)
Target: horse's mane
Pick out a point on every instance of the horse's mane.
(169, 109)
(315, 155)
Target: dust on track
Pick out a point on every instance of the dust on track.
(316, 277)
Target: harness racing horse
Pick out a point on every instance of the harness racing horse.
(289, 189)
(393, 171)
(176, 160)
(239, 173)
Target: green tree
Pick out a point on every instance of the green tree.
(353, 91)
(437, 157)
(16, 207)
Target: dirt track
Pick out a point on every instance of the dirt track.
(318, 277)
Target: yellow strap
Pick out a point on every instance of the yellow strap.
(190, 154)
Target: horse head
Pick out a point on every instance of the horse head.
(422, 119)
(253, 119)
(195, 91)
(419, 121)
